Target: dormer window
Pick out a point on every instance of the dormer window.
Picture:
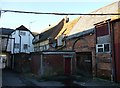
(22, 33)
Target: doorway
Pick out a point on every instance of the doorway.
(67, 65)
(84, 63)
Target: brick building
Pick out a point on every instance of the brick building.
(107, 49)
(83, 43)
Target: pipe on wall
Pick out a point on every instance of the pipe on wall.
(109, 31)
(113, 54)
(20, 42)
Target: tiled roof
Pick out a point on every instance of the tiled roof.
(35, 33)
(88, 21)
(77, 35)
(6, 31)
(52, 32)
(22, 28)
(67, 27)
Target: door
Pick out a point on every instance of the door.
(67, 65)
(84, 64)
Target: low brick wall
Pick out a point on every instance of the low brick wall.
(52, 64)
(21, 62)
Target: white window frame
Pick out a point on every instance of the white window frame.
(17, 45)
(25, 46)
(102, 47)
(22, 33)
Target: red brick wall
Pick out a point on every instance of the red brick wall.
(102, 30)
(52, 64)
(104, 60)
(21, 62)
(84, 44)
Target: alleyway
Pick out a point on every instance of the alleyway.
(13, 79)
(10, 78)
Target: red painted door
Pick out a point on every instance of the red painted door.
(67, 67)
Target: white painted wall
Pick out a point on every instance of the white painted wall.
(25, 39)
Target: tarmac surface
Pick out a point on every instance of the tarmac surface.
(11, 79)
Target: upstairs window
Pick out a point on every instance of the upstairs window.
(22, 33)
(17, 45)
(100, 48)
(103, 48)
(106, 47)
(25, 46)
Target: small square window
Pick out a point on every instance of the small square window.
(100, 49)
(106, 47)
(100, 45)
(25, 46)
(22, 33)
(17, 45)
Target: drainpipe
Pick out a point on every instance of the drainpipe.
(14, 45)
(96, 62)
(13, 62)
(41, 64)
(109, 29)
(20, 42)
(113, 52)
(13, 54)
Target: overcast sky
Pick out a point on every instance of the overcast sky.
(38, 23)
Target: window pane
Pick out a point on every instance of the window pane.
(100, 46)
(106, 47)
(25, 46)
(100, 49)
(17, 45)
(22, 33)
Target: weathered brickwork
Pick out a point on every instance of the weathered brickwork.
(84, 44)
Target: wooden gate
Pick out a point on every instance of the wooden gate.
(84, 64)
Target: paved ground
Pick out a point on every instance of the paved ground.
(97, 82)
(11, 78)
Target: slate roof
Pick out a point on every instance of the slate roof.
(35, 33)
(23, 28)
(6, 31)
(88, 21)
(79, 34)
(51, 32)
